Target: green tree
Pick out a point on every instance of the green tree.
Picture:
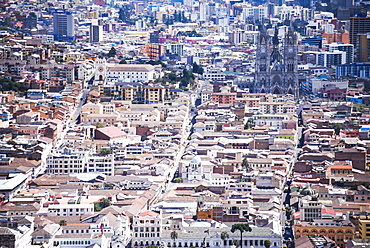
(63, 222)
(267, 243)
(104, 202)
(236, 243)
(172, 76)
(112, 52)
(174, 236)
(152, 246)
(224, 237)
(99, 125)
(248, 124)
(242, 227)
(187, 78)
(11, 142)
(197, 69)
(245, 163)
(106, 151)
(178, 180)
(32, 14)
(123, 61)
(124, 15)
(337, 128)
(7, 84)
(97, 207)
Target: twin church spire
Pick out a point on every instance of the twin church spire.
(276, 63)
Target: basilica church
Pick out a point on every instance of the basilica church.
(276, 64)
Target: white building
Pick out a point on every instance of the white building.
(348, 48)
(275, 121)
(147, 229)
(98, 163)
(220, 180)
(70, 209)
(329, 59)
(123, 72)
(194, 171)
(67, 161)
(213, 74)
(82, 240)
(75, 161)
(254, 12)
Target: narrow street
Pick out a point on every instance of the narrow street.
(287, 217)
(72, 121)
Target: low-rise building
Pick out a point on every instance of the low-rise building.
(339, 231)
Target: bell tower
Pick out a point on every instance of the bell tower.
(262, 62)
(100, 70)
(276, 65)
(291, 84)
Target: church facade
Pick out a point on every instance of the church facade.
(276, 65)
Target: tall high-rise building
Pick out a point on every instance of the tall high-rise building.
(96, 33)
(359, 25)
(237, 36)
(64, 26)
(363, 47)
(329, 59)
(276, 68)
(348, 48)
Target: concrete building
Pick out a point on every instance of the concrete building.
(237, 36)
(147, 228)
(13, 234)
(358, 25)
(275, 121)
(64, 26)
(98, 163)
(364, 227)
(70, 209)
(67, 161)
(129, 73)
(329, 59)
(310, 210)
(338, 231)
(362, 47)
(96, 33)
(348, 48)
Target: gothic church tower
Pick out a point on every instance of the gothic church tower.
(276, 66)
(262, 65)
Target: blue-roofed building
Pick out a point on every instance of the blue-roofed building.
(5, 116)
(316, 40)
(364, 132)
(354, 99)
(36, 94)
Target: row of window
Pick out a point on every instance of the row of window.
(247, 242)
(78, 231)
(72, 209)
(146, 235)
(74, 242)
(324, 231)
(114, 72)
(64, 171)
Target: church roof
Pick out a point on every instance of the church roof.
(196, 160)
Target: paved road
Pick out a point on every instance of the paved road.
(72, 121)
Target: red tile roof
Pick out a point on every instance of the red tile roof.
(328, 211)
(112, 132)
(148, 214)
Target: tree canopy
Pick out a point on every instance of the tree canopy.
(242, 227)
(267, 243)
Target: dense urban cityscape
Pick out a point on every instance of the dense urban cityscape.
(185, 123)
